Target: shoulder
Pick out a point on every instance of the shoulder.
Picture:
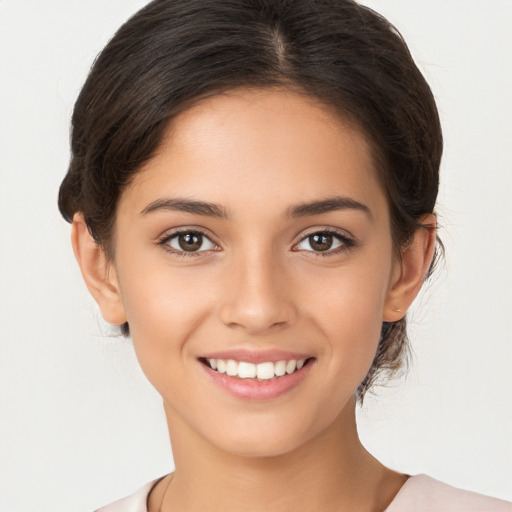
(136, 502)
(422, 493)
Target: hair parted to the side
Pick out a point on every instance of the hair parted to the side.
(173, 53)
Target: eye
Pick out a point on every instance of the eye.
(189, 241)
(324, 241)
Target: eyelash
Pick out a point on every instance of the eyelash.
(164, 242)
(347, 243)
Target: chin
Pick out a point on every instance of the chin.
(267, 437)
(268, 447)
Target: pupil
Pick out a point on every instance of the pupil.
(321, 242)
(190, 241)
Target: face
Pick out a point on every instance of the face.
(254, 261)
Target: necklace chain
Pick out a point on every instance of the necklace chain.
(165, 492)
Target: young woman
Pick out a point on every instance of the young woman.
(252, 192)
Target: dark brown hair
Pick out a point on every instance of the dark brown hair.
(172, 53)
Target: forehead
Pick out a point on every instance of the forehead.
(246, 146)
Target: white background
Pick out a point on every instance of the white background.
(80, 426)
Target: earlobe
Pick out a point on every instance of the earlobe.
(411, 270)
(99, 275)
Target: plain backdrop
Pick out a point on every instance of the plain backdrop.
(79, 424)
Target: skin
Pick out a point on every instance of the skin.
(259, 284)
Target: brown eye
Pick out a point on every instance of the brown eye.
(190, 241)
(323, 241)
(320, 241)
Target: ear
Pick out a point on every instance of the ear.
(99, 275)
(411, 270)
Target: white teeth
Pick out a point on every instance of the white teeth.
(221, 366)
(231, 367)
(261, 371)
(290, 366)
(246, 370)
(265, 371)
(280, 368)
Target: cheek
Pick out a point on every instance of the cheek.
(350, 293)
(348, 308)
(163, 309)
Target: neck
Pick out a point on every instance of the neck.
(332, 472)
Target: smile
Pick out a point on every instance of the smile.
(257, 375)
(261, 371)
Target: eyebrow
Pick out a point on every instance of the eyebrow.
(187, 206)
(215, 210)
(328, 205)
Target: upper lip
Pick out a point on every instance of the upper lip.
(256, 356)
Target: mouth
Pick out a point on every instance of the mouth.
(264, 371)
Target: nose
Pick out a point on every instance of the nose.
(257, 296)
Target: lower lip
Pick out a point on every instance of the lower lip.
(250, 389)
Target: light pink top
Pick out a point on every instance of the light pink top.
(420, 493)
